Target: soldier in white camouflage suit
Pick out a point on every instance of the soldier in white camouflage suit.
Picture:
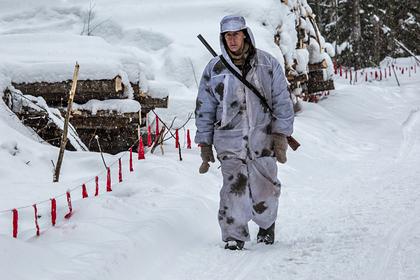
(247, 137)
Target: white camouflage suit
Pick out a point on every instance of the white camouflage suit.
(231, 117)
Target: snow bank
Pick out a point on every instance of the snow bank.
(50, 57)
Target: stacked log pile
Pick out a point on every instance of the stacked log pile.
(116, 131)
(309, 79)
(318, 82)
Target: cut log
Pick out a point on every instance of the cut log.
(148, 103)
(317, 75)
(118, 84)
(112, 141)
(299, 78)
(38, 120)
(318, 66)
(44, 127)
(56, 94)
(318, 86)
(103, 119)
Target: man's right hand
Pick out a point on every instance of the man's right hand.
(207, 156)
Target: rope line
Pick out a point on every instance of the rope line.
(90, 180)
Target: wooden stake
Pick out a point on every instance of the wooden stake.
(66, 124)
(159, 141)
(395, 75)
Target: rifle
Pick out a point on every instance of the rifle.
(293, 143)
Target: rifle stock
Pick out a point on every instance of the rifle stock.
(293, 143)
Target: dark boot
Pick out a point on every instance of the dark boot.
(266, 235)
(235, 245)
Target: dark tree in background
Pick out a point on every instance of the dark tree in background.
(363, 31)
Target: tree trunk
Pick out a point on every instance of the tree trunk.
(357, 32)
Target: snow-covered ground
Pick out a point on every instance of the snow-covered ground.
(350, 196)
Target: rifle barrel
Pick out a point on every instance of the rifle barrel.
(209, 48)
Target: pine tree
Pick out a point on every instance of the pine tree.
(363, 31)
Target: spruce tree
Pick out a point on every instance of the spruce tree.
(363, 31)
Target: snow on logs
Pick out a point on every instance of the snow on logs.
(101, 108)
(113, 94)
(307, 57)
(56, 93)
(319, 79)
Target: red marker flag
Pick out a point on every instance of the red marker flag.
(53, 211)
(68, 215)
(176, 139)
(131, 159)
(108, 180)
(140, 149)
(149, 136)
(84, 191)
(36, 219)
(119, 170)
(15, 222)
(188, 139)
(157, 128)
(96, 186)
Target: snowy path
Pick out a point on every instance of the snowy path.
(349, 207)
(354, 213)
(348, 210)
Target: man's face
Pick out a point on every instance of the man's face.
(235, 41)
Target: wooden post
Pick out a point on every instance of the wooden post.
(66, 124)
(395, 75)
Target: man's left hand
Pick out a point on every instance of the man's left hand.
(280, 147)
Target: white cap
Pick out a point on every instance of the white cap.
(232, 23)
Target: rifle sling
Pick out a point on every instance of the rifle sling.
(246, 83)
(290, 140)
